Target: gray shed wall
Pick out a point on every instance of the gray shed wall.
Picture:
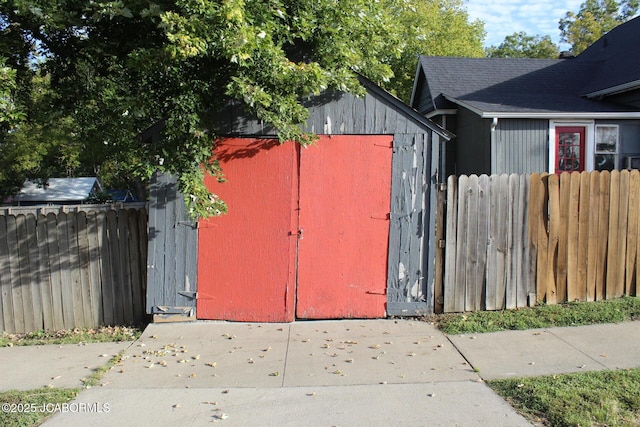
(173, 250)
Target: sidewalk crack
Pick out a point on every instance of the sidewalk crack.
(578, 349)
(286, 355)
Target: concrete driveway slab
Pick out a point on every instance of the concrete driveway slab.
(63, 366)
(204, 354)
(527, 353)
(371, 352)
(430, 404)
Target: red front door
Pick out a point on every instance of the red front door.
(570, 149)
(311, 223)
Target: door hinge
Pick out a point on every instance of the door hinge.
(188, 294)
(385, 217)
(188, 224)
(442, 243)
(296, 233)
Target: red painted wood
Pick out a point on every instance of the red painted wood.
(345, 191)
(246, 258)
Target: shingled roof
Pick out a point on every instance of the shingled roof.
(619, 56)
(537, 86)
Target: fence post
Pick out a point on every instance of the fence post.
(441, 212)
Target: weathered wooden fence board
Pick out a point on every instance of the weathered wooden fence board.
(554, 239)
(75, 269)
(514, 240)
(631, 263)
(488, 254)
(450, 302)
(497, 243)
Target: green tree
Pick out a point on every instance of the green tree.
(39, 144)
(119, 67)
(123, 66)
(522, 45)
(10, 113)
(432, 27)
(594, 19)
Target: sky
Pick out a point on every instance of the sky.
(505, 17)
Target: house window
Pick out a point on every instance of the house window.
(606, 152)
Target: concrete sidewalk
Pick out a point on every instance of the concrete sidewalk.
(552, 351)
(62, 366)
(330, 373)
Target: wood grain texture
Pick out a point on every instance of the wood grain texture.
(631, 265)
(460, 265)
(554, 238)
(592, 251)
(585, 226)
(57, 271)
(603, 234)
(582, 258)
(450, 302)
(563, 241)
(573, 237)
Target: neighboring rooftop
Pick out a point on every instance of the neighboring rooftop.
(518, 85)
(58, 190)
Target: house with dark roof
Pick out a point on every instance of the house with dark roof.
(522, 115)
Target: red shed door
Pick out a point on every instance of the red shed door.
(320, 214)
(345, 191)
(246, 258)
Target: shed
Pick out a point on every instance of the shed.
(58, 191)
(340, 229)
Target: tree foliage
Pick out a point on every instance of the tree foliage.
(594, 19)
(112, 69)
(435, 28)
(522, 45)
(10, 112)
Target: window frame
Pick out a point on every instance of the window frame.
(596, 152)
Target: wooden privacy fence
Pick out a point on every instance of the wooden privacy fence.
(488, 262)
(77, 269)
(514, 240)
(587, 245)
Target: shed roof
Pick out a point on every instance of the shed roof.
(58, 190)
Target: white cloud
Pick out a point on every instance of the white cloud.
(505, 17)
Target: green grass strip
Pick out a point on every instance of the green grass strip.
(542, 316)
(31, 407)
(73, 336)
(600, 398)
